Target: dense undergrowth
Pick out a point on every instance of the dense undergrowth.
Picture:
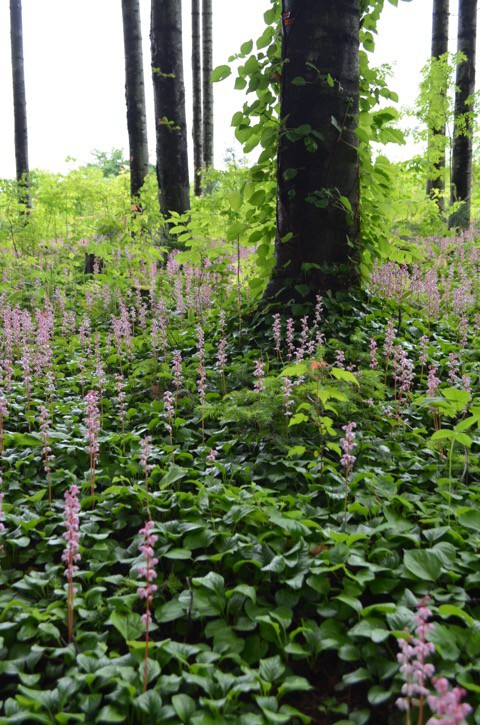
(290, 560)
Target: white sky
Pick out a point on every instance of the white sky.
(74, 72)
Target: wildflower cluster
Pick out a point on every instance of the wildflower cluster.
(416, 671)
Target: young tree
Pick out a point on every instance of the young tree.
(316, 246)
(437, 140)
(169, 100)
(461, 173)
(197, 99)
(135, 95)
(19, 102)
(207, 48)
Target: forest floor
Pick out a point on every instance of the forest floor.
(313, 480)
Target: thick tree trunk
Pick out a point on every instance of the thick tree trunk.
(316, 247)
(19, 102)
(169, 97)
(207, 30)
(461, 175)
(135, 95)
(436, 184)
(197, 98)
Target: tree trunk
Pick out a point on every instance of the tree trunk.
(207, 28)
(19, 103)
(436, 184)
(135, 95)
(316, 245)
(197, 99)
(169, 98)
(461, 175)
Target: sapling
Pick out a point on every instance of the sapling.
(147, 571)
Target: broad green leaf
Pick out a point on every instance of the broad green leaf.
(294, 371)
(220, 73)
(346, 375)
(110, 714)
(212, 581)
(271, 669)
(451, 610)
(184, 707)
(470, 519)
(129, 625)
(423, 564)
(171, 610)
(174, 474)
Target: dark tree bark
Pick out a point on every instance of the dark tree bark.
(19, 102)
(169, 98)
(436, 184)
(316, 247)
(207, 48)
(197, 98)
(461, 175)
(135, 95)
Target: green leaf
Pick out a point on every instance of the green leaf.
(220, 73)
(178, 554)
(170, 611)
(294, 683)
(442, 434)
(346, 375)
(129, 625)
(110, 714)
(451, 610)
(377, 695)
(235, 230)
(174, 474)
(247, 47)
(213, 581)
(294, 371)
(271, 669)
(235, 200)
(423, 564)
(470, 519)
(184, 707)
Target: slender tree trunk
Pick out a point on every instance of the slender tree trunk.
(197, 98)
(135, 95)
(461, 175)
(19, 102)
(207, 28)
(436, 184)
(316, 246)
(169, 98)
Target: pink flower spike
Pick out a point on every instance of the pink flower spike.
(147, 572)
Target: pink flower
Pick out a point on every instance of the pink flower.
(72, 536)
(93, 424)
(348, 444)
(259, 374)
(2, 514)
(147, 570)
(146, 452)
